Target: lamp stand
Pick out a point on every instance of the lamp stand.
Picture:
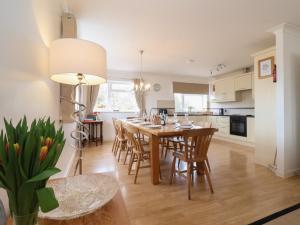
(79, 134)
(79, 125)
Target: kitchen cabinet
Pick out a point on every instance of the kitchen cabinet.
(222, 123)
(243, 82)
(223, 90)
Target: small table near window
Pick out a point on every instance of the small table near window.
(94, 126)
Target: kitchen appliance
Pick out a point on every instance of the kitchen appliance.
(221, 112)
(162, 111)
(238, 125)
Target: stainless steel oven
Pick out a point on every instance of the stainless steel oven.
(238, 125)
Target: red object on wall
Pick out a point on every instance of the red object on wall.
(274, 74)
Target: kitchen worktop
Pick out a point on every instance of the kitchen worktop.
(199, 114)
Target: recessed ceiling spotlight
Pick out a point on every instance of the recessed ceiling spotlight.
(191, 61)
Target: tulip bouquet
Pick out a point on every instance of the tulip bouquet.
(27, 160)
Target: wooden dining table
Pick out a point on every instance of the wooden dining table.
(155, 134)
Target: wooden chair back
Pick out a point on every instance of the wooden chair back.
(196, 143)
(132, 134)
(120, 130)
(115, 126)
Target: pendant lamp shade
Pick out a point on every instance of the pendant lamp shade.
(69, 57)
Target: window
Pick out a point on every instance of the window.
(116, 96)
(190, 102)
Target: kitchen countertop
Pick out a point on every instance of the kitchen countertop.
(197, 114)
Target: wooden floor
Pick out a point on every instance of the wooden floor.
(244, 192)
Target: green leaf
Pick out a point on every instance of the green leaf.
(44, 175)
(29, 147)
(47, 200)
(2, 185)
(3, 154)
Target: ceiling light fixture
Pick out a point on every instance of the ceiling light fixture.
(217, 68)
(141, 86)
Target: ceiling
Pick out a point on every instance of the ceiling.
(172, 32)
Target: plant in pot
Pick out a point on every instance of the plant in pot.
(28, 156)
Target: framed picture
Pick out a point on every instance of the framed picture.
(265, 67)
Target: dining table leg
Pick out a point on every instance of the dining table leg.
(155, 159)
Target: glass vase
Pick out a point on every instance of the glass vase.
(30, 219)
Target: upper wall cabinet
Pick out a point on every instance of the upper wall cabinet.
(224, 90)
(243, 82)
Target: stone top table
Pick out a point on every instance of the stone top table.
(80, 195)
(92, 199)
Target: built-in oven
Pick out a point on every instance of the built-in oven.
(238, 125)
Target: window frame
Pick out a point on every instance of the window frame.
(110, 91)
(183, 103)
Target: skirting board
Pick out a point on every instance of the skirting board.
(291, 173)
(234, 141)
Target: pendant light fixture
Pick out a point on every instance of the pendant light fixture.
(141, 86)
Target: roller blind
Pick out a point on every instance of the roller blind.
(190, 88)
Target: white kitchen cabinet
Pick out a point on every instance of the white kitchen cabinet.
(243, 82)
(223, 90)
(250, 129)
(221, 123)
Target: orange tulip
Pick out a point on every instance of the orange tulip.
(43, 152)
(17, 148)
(48, 141)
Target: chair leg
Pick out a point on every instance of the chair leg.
(208, 179)
(189, 180)
(137, 168)
(122, 149)
(127, 152)
(167, 148)
(131, 162)
(114, 145)
(172, 169)
(117, 147)
(162, 147)
(207, 163)
(192, 173)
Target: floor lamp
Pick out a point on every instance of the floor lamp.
(77, 62)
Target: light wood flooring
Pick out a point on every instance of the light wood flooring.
(244, 192)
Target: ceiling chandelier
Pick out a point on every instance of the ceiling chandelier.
(140, 85)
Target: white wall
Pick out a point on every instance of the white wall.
(265, 113)
(166, 93)
(26, 28)
(288, 95)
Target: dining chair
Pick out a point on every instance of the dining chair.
(206, 124)
(140, 152)
(177, 142)
(116, 134)
(194, 151)
(121, 144)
